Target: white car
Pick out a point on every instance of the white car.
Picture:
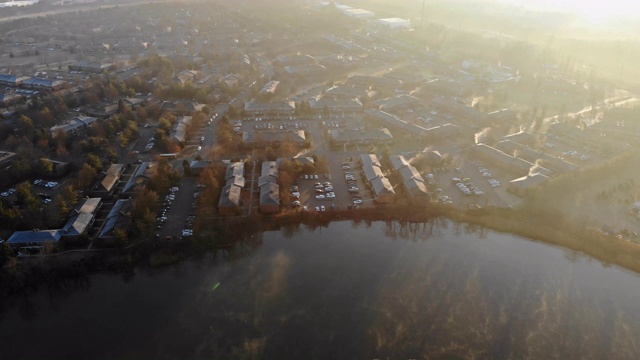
(357, 201)
(320, 197)
(331, 195)
(322, 208)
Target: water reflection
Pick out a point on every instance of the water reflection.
(343, 291)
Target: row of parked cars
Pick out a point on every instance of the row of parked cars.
(467, 188)
(324, 191)
(168, 200)
(352, 185)
(9, 192)
(48, 184)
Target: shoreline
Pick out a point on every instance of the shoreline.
(545, 228)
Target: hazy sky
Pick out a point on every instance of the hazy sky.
(593, 10)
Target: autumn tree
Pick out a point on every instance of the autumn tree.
(86, 176)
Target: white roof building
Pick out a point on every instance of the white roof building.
(395, 23)
(359, 13)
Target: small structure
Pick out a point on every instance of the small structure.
(359, 13)
(395, 23)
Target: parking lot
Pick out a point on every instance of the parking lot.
(177, 210)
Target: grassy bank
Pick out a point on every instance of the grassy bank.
(556, 230)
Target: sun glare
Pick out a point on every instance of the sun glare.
(596, 11)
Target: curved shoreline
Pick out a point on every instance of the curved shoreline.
(240, 236)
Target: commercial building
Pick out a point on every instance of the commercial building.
(44, 84)
(92, 67)
(507, 162)
(258, 108)
(268, 138)
(339, 137)
(12, 80)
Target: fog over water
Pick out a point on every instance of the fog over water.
(346, 291)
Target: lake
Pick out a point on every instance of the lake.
(345, 291)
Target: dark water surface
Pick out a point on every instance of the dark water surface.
(343, 292)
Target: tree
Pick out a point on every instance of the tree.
(186, 167)
(86, 176)
(5, 254)
(25, 195)
(94, 162)
(59, 209)
(122, 238)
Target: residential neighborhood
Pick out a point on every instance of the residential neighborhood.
(206, 112)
